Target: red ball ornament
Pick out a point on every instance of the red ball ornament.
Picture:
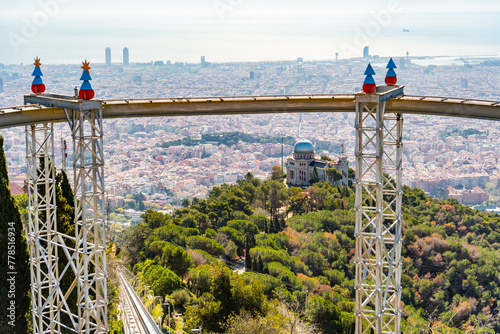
(38, 89)
(391, 81)
(369, 88)
(86, 94)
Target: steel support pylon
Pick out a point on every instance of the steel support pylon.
(378, 213)
(42, 228)
(86, 252)
(88, 165)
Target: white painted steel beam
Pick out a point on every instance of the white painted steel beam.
(378, 213)
(88, 167)
(42, 230)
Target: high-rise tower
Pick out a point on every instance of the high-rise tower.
(108, 56)
(125, 56)
(366, 52)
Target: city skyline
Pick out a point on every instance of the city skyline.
(60, 32)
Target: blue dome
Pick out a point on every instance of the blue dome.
(303, 146)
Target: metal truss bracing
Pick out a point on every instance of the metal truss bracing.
(88, 164)
(68, 296)
(378, 213)
(42, 230)
(50, 276)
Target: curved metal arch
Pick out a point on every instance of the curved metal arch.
(428, 105)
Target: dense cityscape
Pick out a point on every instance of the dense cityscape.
(197, 210)
(442, 156)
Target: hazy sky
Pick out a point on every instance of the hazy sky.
(239, 30)
(262, 8)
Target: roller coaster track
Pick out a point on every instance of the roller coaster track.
(190, 106)
(136, 320)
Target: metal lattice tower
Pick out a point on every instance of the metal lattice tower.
(87, 256)
(42, 235)
(378, 213)
(88, 164)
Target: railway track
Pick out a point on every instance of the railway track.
(136, 319)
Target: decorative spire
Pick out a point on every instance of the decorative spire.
(86, 91)
(37, 85)
(369, 85)
(391, 78)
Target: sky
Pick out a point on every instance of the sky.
(263, 8)
(63, 31)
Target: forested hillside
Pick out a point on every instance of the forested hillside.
(298, 247)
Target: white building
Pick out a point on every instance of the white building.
(301, 164)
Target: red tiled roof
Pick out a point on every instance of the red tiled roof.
(15, 189)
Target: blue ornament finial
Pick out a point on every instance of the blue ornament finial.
(369, 85)
(86, 91)
(37, 85)
(391, 64)
(369, 70)
(391, 78)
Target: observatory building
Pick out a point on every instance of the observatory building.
(301, 166)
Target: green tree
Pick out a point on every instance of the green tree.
(200, 279)
(163, 281)
(324, 313)
(272, 323)
(248, 257)
(273, 195)
(221, 288)
(66, 226)
(186, 203)
(299, 203)
(231, 250)
(314, 177)
(260, 267)
(67, 192)
(155, 219)
(325, 158)
(176, 259)
(276, 173)
(333, 175)
(14, 309)
(208, 245)
(133, 242)
(351, 176)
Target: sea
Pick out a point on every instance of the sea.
(222, 38)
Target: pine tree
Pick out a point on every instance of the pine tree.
(248, 258)
(272, 227)
(315, 176)
(66, 226)
(12, 243)
(255, 265)
(67, 192)
(282, 223)
(260, 268)
(276, 225)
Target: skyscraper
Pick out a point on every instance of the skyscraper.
(125, 56)
(366, 52)
(108, 56)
